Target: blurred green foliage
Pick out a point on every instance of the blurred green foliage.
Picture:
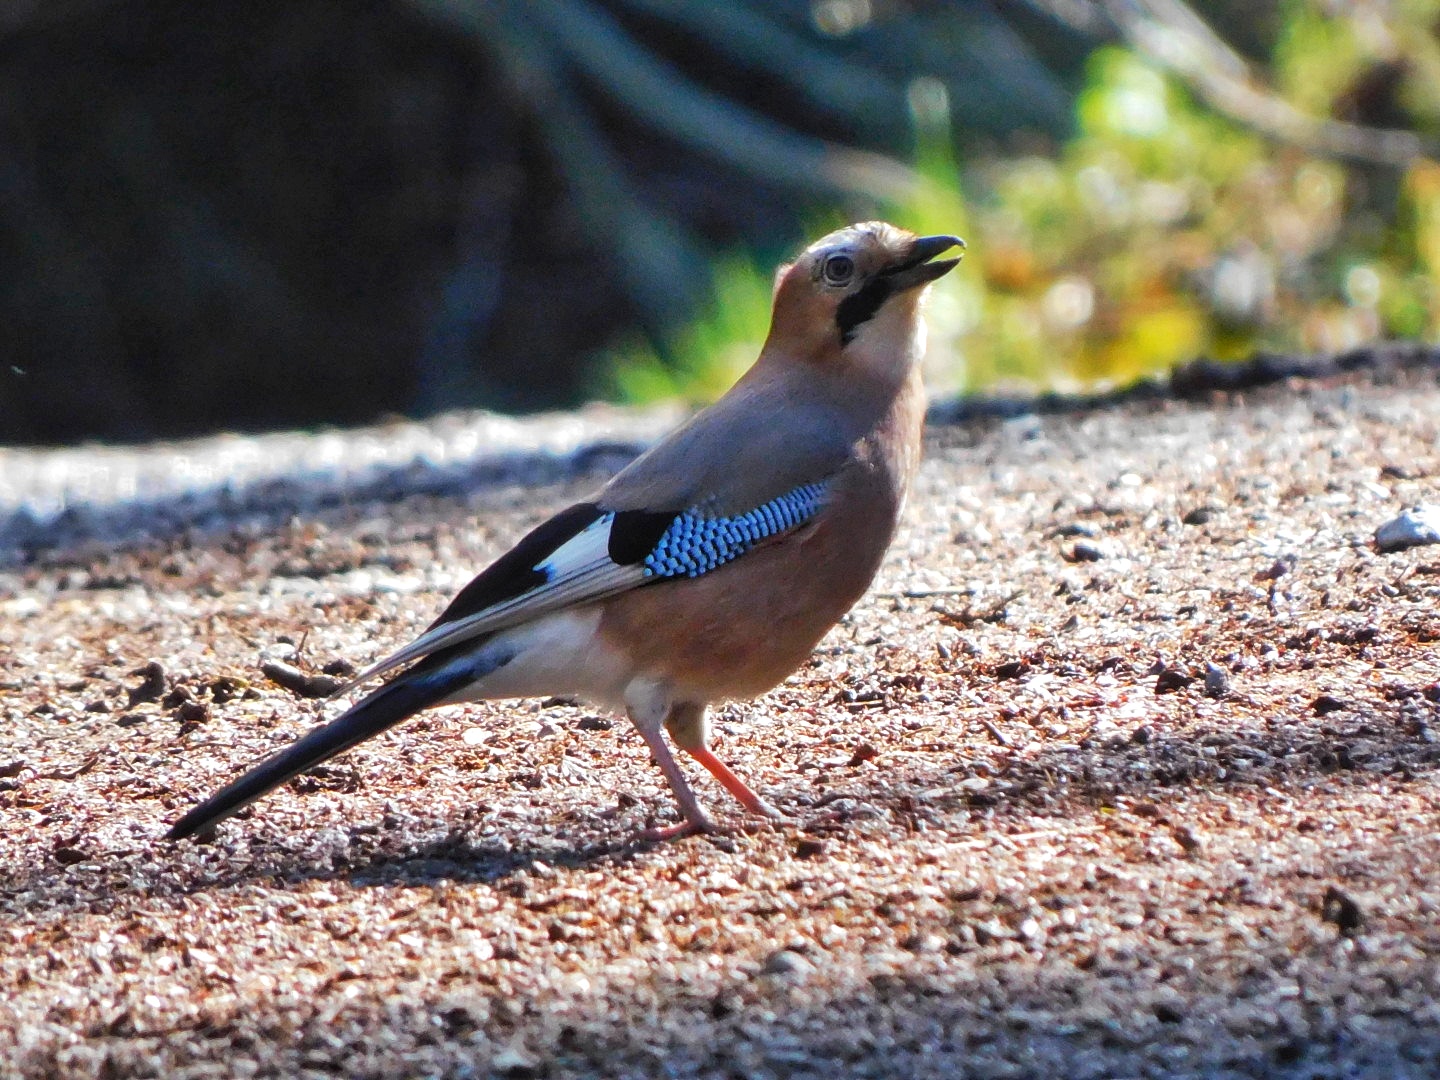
(1160, 232)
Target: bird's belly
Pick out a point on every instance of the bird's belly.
(560, 653)
(738, 631)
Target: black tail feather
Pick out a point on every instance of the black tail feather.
(383, 709)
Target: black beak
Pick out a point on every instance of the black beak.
(917, 269)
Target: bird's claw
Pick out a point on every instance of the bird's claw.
(678, 831)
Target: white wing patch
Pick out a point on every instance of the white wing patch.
(578, 571)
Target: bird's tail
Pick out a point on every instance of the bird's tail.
(417, 689)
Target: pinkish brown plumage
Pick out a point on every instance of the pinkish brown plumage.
(711, 566)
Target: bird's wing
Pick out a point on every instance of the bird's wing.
(763, 439)
(588, 552)
(753, 466)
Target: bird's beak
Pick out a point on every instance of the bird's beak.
(917, 269)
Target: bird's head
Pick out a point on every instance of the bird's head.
(856, 293)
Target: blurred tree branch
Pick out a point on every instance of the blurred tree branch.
(1171, 34)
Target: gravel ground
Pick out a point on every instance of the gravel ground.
(1126, 767)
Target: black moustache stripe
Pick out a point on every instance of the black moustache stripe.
(860, 307)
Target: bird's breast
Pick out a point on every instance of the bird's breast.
(741, 629)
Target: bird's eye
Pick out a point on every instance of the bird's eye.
(838, 270)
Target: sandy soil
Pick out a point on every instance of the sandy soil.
(1126, 767)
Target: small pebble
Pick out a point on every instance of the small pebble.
(1084, 551)
(192, 712)
(724, 1005)
(1417, 525)
(177, 696)
(69, 856)
(1169, 1012)
(152, 689)
(990, 931)
(297, 682)
(514, 1061)
(1340, 908)
(1077, 528)
(1217, 680)
(787, 963)
(283, 651)
(1186, 838)
(1172, 679)
(226, 688)
(923, 943)
(809, 847)
(1278, 569)
(863, 753)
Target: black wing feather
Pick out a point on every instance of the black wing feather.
(634, 534)
(517, 571)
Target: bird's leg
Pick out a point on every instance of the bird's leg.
(648, 717)
(689, 725)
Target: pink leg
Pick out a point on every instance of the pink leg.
(732, 783)
(690, 728)
(696, 820)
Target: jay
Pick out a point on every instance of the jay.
(711, 566)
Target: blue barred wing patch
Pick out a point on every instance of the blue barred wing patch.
(695, 543)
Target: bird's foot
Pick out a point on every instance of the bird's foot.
(765, 810)
(769, 815)
(679, 831)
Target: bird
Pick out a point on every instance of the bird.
(710, 567)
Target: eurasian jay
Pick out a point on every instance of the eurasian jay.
(711, 566)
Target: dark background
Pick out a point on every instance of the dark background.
(222, 215)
